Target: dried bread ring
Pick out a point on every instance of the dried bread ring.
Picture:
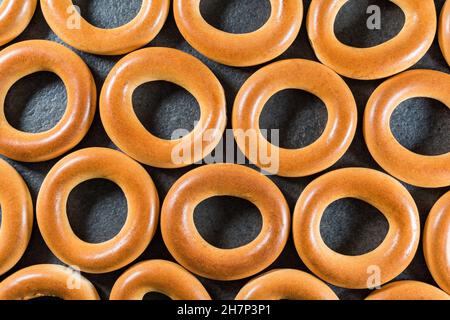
(64, 19)
(27, 57)
(386, 59)
(241, 50)
(382, 191)
(436, 242)
(416, 169)
(127, 132)
(287, 284)
(17, 217)
(408, 290)
(198, 256)
(15, 15)
(47, 280)
(158, 276)
(444, 31)
(304, 75)
(139, 227)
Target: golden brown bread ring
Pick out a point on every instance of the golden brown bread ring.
(385, 193)
(444, 31)
(88, 38)
(158, 276)
(408, 290)
(198, 256)
(386, 59)
(17, 217)
(139, 227)
(416, 169)
(304, 75)
(436, 242)
(15, 15)
(27, 57)
(47, 280)
(128, 133)
(240, 50)
(287, 284)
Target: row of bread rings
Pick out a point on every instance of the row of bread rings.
(265, 44)
(174, 281)
(126, 131)
(188, 247)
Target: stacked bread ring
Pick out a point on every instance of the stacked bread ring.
(191, 254)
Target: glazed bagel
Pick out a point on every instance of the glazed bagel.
(386, 59)
(408, 290)
(444, 31)
(436, 242)
(392, 256)
(27, 57)
(188, 247)
(241, 50)
(303, 75)
(158, 276)
(416, 169)
(17, 217)
(139, 227)
(62, 17)
(47, 280)
(127, 132)
(15, 15)
(285, 284)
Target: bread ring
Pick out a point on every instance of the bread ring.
(88, 38)
(15, 15)
(436, 242)
(241, 50)
(142, 201)
(413, 168)
(128, 133)
(286, 284)
(408, 290)
(17, 217)
(304, 75)
(27, 57)
(444, 31)
(47, 280)
(386, 59)
(392, 256)
(158, 276)
(188, 247)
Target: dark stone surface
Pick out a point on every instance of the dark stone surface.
(97, 209)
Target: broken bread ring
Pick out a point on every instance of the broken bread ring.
(15, 15)
(47, 280)
(386, 59)
(198, 256)
(68, 24)
(392, 256)
(299, 74)
(158, 276)
(416, 169)
(139, 227)
(436, 242)
(17, 217)
(286, 284)
(27, 57)
(240, 50)
(127, 132)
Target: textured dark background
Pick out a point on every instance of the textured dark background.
(97, 209)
